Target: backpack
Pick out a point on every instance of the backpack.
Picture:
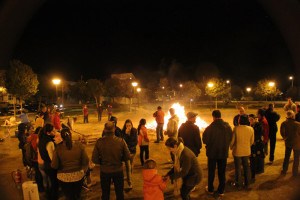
(30, 154)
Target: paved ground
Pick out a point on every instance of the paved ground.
(269, 185)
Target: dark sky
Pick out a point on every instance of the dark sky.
(188, 39)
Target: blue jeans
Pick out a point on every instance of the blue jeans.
(159, 132)
(237, 162)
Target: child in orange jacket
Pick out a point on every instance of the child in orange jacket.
(154, 184)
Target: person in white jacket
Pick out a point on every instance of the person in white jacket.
(172, 128)
(243, 138)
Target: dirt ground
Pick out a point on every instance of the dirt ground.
(270, 185)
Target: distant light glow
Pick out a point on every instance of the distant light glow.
(228, 81)
(56, 81)
(291, 78)
(248, 89)
(271, 84)
(180, 85)
(134, 84)
(139, 89)
(163, 87)
(210, 85)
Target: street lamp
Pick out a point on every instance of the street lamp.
(163, 87)
(134, 84)
(180, 85)
(210, 85)
(271, 84)
(56, 82)
(292, 79)
(248, 89)
(228, 81)
(138, 90)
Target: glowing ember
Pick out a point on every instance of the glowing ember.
(179, 111)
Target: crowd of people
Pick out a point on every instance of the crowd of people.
(59, 161)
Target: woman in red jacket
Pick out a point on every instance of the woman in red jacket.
(143, 140)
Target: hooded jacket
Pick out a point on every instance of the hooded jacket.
(154, 185)
(172, 127)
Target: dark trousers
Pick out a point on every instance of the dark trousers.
(144, 148)
(159, 132)
(53, 190)
(38, 176)
(185, 191)
(272, 137)
(296, 162)
(253, 166)
(99, 117)
(221, 174)
(118, 180)
(23, 157)
(237, 163)
(288, 151)
(72, 190)
(86, 119)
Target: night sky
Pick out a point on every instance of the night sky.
(183, 40)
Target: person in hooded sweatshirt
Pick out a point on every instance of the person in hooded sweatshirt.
(154, 184)
(118, 131)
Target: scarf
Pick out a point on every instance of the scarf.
(177, 169)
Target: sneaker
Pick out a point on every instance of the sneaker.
(206, 189)
(156, 142)
(221, 194)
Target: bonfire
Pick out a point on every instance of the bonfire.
(180, 112)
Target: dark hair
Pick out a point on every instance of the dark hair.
(216, 114)
(67, 137)
(261, 112)
(244, 120)
(124, 127)
(38, 130)
(271, 105)
(142, 122)
(171, 142)
(252, 115)
(150, 164)
(159, 108)
(46, 129)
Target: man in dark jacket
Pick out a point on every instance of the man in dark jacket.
(99, 111)
(217, 137)
(109, 152)
(272, 117)
(289, 131)
(236, 118)
(190, 134)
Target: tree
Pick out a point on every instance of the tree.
(21, 81)
(217, 88)
(190, 91)
(79, 91)
(112, 88)
(95, 89)
(292, 92)
(265, 89)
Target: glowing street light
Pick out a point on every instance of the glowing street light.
(139, 89)
(180, 85)
(163, 87)
(56, 82)
(271, 84)
(134, 84)
(248, 89)
(210, 85)
(228, 81)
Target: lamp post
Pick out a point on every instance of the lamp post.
(271, 85)
(292, 79)
(56, 82)
(211, 85)
(248, 89)
(134, 84)
(138, 90)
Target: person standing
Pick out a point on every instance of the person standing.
(242, 140)
(85, 112)
(143, 141)
(70, 159)
(272, 117)
(118, 131)
(263, 121)
(217, 137)
(190, 133)
(297, 117)
(130, 136)
(56, 120)
(257, 149)
(159, 117)
(99, 111)
(236, 118)
(109, 112)
(109, 152)
(45, 114)
(46, 149)
(290, 132)
(39, 122)
(24, 118)
(186, 170)
(172, 127)
(290, 106)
